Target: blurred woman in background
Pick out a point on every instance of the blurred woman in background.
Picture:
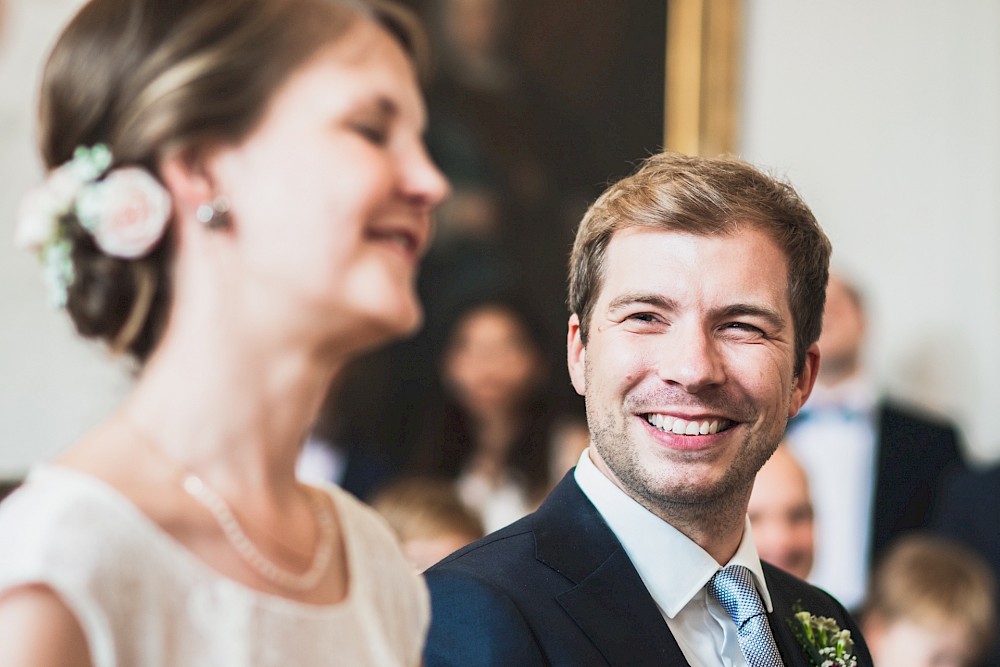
(491, 432)
(238, 198)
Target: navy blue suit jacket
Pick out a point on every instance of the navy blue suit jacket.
(556, 588)
(968, 512)
(915, 453)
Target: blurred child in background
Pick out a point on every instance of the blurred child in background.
(428, 518)
(930, 604)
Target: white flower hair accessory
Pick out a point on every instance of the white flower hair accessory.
(126, 212)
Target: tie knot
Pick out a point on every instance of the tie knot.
(834, 412)
(733, 587)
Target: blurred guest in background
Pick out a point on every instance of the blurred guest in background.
(491, 431)
(570, 436)
(8, 486)
(873, 465)
(781, 514)
(969, 512)
(238, 198)
(428, 517)
(931, 604)
(329, 456)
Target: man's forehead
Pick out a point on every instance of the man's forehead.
(641, 259)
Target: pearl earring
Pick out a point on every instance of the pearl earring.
(214, 214)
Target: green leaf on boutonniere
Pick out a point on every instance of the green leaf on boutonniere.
(822, 640)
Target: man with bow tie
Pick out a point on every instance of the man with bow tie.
(696, 289)
(874, 465)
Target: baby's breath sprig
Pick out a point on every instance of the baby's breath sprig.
(822, 640)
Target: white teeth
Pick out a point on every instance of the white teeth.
(397, 238)
(669, 424)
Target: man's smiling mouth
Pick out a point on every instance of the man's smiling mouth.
(679, 426)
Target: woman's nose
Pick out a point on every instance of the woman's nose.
(423, 181)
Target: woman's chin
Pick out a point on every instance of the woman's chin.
(385, 325)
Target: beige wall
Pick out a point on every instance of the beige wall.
(886, 114)
(51, 385)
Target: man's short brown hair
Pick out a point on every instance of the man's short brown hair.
(706, 197)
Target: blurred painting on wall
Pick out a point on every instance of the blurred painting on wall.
(534, 108)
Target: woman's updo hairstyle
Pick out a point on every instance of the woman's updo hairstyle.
(154, 78)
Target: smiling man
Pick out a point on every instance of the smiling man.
(696, 289)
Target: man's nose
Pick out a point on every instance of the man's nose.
(691, 359)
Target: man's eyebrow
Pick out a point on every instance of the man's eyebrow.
(753, 310)
(647, 298)
(661, 302)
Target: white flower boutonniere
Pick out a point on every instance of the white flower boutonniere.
(822, 640)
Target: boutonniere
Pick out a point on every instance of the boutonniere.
(822, 640)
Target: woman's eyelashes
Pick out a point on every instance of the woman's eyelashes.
(377, 134)
(374, 121)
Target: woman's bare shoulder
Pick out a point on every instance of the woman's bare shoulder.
(47, 632)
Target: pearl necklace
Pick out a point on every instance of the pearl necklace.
(195, 487)
(248, 551)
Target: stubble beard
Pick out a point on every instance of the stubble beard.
(662, 493)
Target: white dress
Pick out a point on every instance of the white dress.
(144, 600)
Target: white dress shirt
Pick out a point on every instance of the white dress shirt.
(320, 462)
(675, 571)
(834, 439)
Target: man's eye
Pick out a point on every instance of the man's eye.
(643, 317)
(744, 327)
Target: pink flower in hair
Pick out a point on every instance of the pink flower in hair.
(126, 213)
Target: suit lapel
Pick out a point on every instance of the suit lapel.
(792, 654)
(608, 601)
(616, 612)
(887, 453)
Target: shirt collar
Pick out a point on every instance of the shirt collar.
(857, 392)
(673, 568)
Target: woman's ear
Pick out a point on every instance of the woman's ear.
(189, 183)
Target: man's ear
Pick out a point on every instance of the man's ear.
(576, 356)
(804, 381)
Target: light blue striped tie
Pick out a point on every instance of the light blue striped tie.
(733, 587)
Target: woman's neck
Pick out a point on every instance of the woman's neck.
(228, 408)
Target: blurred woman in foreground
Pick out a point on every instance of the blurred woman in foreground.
(239, 197)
